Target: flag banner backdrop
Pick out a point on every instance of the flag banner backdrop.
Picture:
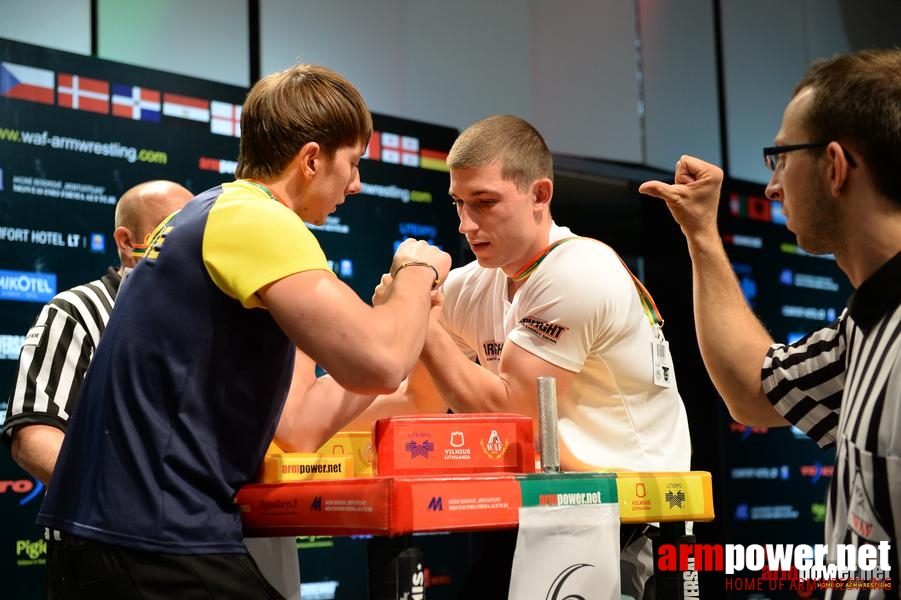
(75, 133)
(185, 107)
(26, 83)
(133, 102)
(82, 93)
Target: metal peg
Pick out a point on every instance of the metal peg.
(547, 424)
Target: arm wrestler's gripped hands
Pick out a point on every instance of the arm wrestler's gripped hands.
(414, 251)
(383, 289)
(419, 251)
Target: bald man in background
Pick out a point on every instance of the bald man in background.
(59, 346)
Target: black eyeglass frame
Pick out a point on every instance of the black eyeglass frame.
(770, 151)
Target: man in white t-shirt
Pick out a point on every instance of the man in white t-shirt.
(529, 307)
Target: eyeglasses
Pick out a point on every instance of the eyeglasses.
(773, 155)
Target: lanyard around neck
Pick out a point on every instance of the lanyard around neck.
(647, 302)
(265, 190)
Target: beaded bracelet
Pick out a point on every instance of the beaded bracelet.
(417, 263)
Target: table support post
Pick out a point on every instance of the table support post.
(680, 583)
(396, 569)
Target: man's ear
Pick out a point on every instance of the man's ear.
(124, 243)
(307, 159)
(124, 240)
(543, 189)
(839, 167)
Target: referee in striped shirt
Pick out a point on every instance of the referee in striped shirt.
(836, 169)
(60, 344)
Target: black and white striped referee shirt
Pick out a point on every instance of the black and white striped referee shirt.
(56, 353)
(842, 385)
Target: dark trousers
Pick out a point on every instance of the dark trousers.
(79, 569)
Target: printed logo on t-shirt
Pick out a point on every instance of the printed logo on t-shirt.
(546, 330)
(492, 349)
(862, 517)
(158, 237)
(33, 337)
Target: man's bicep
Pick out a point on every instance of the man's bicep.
(454, 331)
(316, 311)
(520, 370)
(35, 448)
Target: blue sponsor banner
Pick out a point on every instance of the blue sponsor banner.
(27, 286)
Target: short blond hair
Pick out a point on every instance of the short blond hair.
(509, 140)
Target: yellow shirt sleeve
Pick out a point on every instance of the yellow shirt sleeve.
(251, 240)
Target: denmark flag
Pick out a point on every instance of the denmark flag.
(82, 93)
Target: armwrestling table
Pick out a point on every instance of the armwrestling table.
(391, 507)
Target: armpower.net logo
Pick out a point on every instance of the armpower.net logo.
(803, 568)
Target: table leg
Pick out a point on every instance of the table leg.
(395, 569)
(677, 584)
